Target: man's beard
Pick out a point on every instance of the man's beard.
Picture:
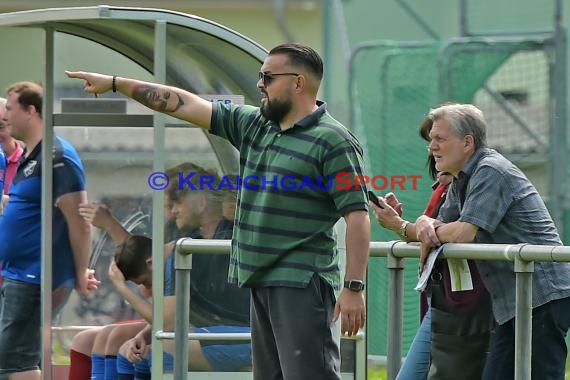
(275, 110)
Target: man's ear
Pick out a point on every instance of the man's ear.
(148, 261)
(31, 110)
(469, 142)
(300, 82)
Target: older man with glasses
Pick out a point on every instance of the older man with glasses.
(492, 202)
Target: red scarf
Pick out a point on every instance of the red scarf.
(12, 166)
(432, 208)
(435, 201)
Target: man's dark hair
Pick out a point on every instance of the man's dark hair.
(31, 94)
(301, 56)
(131, 256)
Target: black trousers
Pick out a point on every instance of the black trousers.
(292, 335)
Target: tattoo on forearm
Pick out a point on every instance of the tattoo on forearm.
(179, 104)
(157, 99)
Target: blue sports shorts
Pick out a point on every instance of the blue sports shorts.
(222, 357)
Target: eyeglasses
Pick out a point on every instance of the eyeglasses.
(267, 78)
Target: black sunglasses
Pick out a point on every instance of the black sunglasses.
(267, 78)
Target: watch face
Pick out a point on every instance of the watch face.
(355, 285)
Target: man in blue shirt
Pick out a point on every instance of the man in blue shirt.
(20, 236)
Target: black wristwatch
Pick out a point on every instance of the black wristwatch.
(354, 285)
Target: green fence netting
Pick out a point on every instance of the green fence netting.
(392, 89)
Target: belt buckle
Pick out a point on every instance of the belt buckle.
(436, 277)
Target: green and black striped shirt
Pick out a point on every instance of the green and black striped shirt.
(296, 184)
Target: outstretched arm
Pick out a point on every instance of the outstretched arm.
(173, 101)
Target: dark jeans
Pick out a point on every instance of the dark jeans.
(550, 323)
(292, 335)
(20, 324)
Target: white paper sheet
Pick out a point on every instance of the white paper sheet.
(428, 267)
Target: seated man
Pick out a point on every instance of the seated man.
(216, 306)
(93, 352)
(102, 343)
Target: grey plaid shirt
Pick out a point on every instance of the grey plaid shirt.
(506, 207)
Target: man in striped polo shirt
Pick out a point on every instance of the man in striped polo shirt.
(294, 157)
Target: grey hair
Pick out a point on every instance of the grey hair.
(464, 119)
(2, 102)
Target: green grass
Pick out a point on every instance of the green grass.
(59, 355)
(379, 373)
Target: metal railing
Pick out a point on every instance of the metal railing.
(523, 256)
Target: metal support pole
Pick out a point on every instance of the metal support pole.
(182, 266)
(47, 204)
(360, 355)
(395, 312)
(559, 125)
(463, 19)
(423, 24)
(327, 21)
(523, 317)
(158, 202)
